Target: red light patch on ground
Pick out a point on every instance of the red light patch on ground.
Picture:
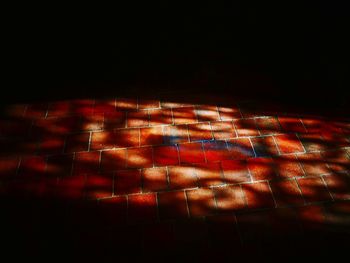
(179, 169)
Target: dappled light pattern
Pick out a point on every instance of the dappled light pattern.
(212, 177)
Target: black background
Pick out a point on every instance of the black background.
(290, 52)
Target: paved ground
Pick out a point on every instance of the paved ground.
(125, 178)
